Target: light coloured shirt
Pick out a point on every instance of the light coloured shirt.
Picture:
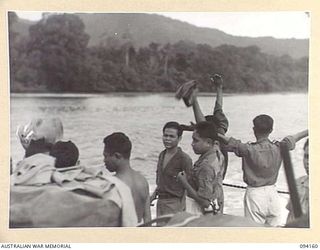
(261, 160)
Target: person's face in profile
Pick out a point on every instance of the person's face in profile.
(199, 145)
(110, 160)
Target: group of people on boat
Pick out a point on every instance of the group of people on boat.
(181, 186)
(203, 181)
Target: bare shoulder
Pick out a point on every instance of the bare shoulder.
(141, 180)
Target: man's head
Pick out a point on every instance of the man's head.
(117, 149)
(204, 137)
(262, 125)
(66, 154)
(171, 136)
(306, 156)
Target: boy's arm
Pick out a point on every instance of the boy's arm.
(155, 192)
(234, 145)
(217, 81)
(147, 211)
(224, 138)
(220, 117)
(297, 137)
(218, 113)
(187, 164)
(191, 192)
(198, 115)
(292, 139)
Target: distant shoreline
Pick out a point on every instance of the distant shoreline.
(88, 95)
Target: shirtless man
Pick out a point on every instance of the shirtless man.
(117, 150)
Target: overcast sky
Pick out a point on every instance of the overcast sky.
(253, 24)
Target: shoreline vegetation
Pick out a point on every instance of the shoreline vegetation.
(54, 56)
(171, 94)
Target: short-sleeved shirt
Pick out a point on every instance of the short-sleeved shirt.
(206, 175)
(261, 160)
(166, 176)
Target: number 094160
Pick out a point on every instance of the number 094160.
(308, 245)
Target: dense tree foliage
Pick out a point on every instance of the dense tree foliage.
(56, 58)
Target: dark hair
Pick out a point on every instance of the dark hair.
(66, 154)
(263, 124)
(37, 146)
(207, 129)
(306, 144)
(173, 125)
(118, 142)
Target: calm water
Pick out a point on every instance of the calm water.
(87, 119)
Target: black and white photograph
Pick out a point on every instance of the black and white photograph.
(159, 119)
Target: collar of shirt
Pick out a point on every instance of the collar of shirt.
(179, 150)
(204, 156)
(261, 140)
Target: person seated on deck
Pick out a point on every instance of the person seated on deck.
(303, 190)
(172, 160)
(66, 154)
(42, 136)
(37, 138)
(39, 135)
(189, 92)
(46, 192)
(117, 151)
(261, 162)
(204, 183)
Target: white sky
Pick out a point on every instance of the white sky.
(253, 24)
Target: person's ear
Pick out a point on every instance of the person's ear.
(118, 155)
(209, 141)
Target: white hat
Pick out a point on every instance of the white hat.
(50, 129)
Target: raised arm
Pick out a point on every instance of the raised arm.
(219, 117)
(217, 111)
(198, 115)
(218, 82)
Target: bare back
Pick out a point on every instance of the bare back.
(140, 191)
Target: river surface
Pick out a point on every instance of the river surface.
(87, 119)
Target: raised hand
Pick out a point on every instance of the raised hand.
(216, 79)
